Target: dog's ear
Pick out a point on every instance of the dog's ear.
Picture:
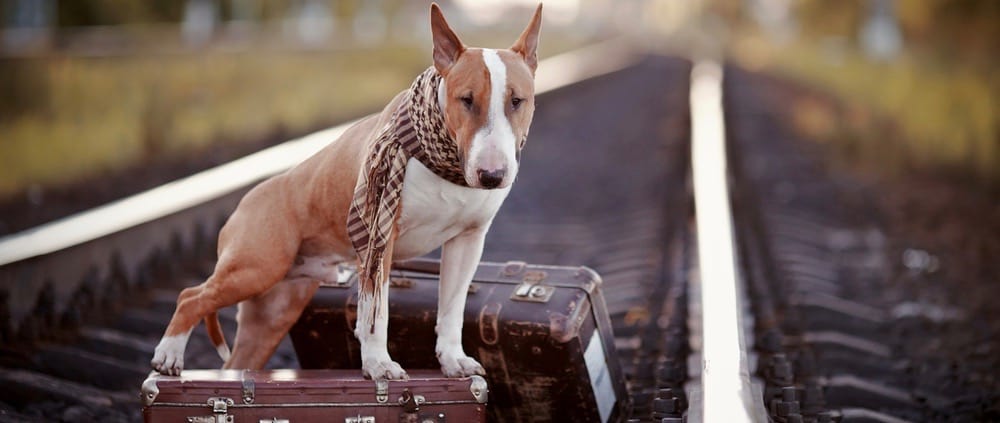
(527, 44)
(447, 46)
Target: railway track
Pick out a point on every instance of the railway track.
(832, 339)
(792, 331)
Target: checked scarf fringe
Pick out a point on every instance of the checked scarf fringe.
(416, 130)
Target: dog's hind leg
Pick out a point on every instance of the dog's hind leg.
(255, 252)
(168, 357)
(265, 319)
(226, 287)
(250, 262)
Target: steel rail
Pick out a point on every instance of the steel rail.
(726, 393)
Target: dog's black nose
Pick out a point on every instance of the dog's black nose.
(491, 179)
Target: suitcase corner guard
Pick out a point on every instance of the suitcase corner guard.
(480, 390)
(149, 390)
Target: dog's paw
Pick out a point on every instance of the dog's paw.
(167, 362)
(168, 358)
(383, 369)
(460, 365)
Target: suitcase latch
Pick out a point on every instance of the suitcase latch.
(248, 390)
(220, 412)
(381, 391)
(360, 419)
(532, 290)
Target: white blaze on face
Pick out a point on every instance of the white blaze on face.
(494, 146)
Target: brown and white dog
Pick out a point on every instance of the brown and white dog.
(289, 232)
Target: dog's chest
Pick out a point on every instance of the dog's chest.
(434, 210)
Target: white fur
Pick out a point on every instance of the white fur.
(375, 360)
(223, 351)
(459, 259)
(494, 145)
(435, 210)
(168, 358)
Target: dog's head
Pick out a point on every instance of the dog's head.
(488, 98)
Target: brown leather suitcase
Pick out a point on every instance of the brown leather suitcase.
(220, 396)
(541, 332)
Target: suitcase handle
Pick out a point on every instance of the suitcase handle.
(422, 265)
(426, 265)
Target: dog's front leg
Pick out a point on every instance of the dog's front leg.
(375, 360)
(459, 259)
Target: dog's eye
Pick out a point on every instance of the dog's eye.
(467, 101)
(515, 102)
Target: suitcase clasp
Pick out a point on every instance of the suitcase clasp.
(248, 390)
(360, 419)
(381, 391)
(532, 290)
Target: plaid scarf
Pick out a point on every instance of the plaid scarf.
(415, 130)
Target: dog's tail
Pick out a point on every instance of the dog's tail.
(215, 334)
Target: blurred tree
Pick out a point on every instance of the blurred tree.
(965, 30)
(275, 9)
(118, 12)
(242, 10)
(830, 18)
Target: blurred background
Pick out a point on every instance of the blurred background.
(141, 92)
(896, 100)
(916, 80)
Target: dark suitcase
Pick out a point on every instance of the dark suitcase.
(219, 396)
(541, 332)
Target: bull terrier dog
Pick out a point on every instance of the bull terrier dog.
(430, 170)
